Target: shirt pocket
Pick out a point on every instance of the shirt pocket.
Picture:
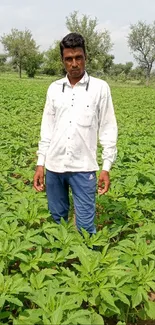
(85, 119)
(87, 113)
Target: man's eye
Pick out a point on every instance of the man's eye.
(79, 57)
(68, 59)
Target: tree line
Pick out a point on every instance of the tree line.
(22, 52)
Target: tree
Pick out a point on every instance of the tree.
(141, 41)
(128, 67)
(3, 58)
(107, 62)
(98, 44)
(119, 68)
(19, 46)
(32, 63)
(137, 73)
(52, 61)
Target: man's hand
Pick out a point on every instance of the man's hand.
(103, 182)
(38, 180)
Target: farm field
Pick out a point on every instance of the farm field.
(49, 274)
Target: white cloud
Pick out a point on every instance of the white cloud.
(118, 35)
(117, 32)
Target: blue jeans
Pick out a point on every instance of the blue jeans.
(83, 186)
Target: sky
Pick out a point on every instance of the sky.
(46, 19)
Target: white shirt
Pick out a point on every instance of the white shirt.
(73, 119)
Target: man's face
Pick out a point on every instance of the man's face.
(74, 62)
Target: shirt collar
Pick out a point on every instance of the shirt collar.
(83, 80)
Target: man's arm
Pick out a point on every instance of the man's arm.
(107, 138)
(44, 143)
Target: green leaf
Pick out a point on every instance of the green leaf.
(96, 319)
(122, 297)
(22, 257)
(24, 267)
(136, 298)
(46, 320)
(109, 300)
(1, 282)
(5, 314)
(57, 316)
(2, 265)
(2, 300)
(14, 300)
(126, 289)
(77, 317)
(150, 309)
(28, 317)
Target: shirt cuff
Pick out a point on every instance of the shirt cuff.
(106, 165)
(41, 160)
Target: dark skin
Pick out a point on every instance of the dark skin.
(74, 63)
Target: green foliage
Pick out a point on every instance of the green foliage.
(22, 49)
(118, 69)
(3, 58)
(32, 63)
(141, 42)
(52, 61)
(49, 273)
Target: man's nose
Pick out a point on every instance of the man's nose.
(74, 63)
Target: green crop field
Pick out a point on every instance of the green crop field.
(49, 273)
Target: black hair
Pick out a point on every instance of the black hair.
(72, 40)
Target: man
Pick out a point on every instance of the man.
(78, 109)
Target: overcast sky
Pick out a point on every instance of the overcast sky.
(46, 19)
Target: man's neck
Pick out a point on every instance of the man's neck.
(74, 81)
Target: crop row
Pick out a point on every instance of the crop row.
(50, 274)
